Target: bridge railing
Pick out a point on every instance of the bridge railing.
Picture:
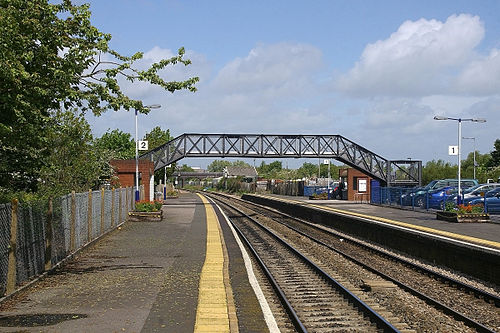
(286, 146)
(36, 236)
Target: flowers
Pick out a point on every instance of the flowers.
(148, 206)
(464, 208)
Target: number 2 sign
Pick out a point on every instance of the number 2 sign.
(143, 145)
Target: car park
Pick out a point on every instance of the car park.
(419, 196)
(437, 198)
(492, 201)
(474, 192)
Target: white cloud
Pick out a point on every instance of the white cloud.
(282, 69)
(417, 60)
(481, 77)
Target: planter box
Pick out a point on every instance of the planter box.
(462, 218)
(145, 216)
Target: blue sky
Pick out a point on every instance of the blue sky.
(375, 72)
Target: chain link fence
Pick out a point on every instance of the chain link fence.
(47, 232)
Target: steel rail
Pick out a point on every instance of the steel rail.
(457, 315)
(381, 322)
(281, 295)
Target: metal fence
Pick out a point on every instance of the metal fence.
(38, 235)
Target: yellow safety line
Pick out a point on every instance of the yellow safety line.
(399, 223)
(212, 312)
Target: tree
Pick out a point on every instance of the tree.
(219, 165)
(117, 144)
(307, 170)
(438, 170)
(51, 58)
(495, 155)
(73, 163)
(468, 166)
(156, 138)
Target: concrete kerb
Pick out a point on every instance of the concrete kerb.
(59, 264)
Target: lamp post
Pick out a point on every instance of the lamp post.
(153, 106)
(474, 143)
(459, 120)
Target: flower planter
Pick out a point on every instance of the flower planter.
(462, 217)
(145, 216)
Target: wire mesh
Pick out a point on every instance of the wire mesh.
(5, 218)
(107, 210)
(96, 213)
(58, 236)
(67, 211)
(30, 252)
(81, 234)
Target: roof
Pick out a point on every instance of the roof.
(240, 171)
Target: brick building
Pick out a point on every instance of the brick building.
(358, 184)
(125, 171)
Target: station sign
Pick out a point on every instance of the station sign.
(453, 150)
(143, 145)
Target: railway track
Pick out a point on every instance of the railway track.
(477, 309)
(313, 300)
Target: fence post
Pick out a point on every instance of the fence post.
(89, 217)
(112, 207)
(12, 268)
(73, 222)
(102, 210)
(48, 237)
(132, 199)
(120, 208)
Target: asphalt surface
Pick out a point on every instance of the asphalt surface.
(488, 231)
(141, 278)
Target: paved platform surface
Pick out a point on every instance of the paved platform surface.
(426, 219)
(144, 277)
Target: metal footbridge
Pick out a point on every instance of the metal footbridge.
(388, 172)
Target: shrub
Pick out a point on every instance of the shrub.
(464, 209)
(148, 206)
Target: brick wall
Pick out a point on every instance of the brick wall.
(125, 171)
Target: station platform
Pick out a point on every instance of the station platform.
(167, 276)
(484, 234)
(470, 248)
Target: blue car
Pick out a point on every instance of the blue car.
(492, 201)
(418, 197)
(437, 198)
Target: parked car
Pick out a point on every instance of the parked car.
(418, 197)
(474, 192)
(437, 198)
(492, 201)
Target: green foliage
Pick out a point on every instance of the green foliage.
(157, 137)
(148, 206)
(185, 168)
(117, 144)
(495, 155)
(73, 163)
(270, 170)
(53, 58)
(307, 170)
(219, 165)
(438, 170)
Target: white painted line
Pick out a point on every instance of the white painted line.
(266, 310)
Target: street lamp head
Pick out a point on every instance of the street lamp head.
(153, 106)
(479, 120)
(440, 118)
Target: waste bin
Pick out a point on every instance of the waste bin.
(344, 194)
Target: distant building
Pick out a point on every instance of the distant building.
(249, 174)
